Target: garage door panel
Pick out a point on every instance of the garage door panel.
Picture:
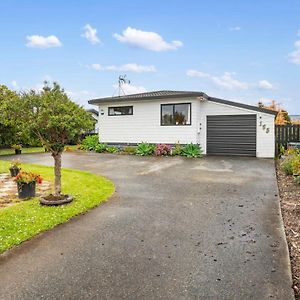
(231, 135)
(248, 139)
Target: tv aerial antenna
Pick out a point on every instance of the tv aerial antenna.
(122, 80)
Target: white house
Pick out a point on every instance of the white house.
(221, 127)
(95, 114)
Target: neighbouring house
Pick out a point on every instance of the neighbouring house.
(95, 114)
(220, 126)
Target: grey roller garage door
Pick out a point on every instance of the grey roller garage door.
(231, 135)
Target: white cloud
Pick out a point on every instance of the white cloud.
(265, 85)
(132, 68)
(43, 42)
(131, 89)
(146, 39)
(90, 34)
(294, 57)
(227, 81)
(96, 67)
(235, 28)
(195, 73)
(135, 68)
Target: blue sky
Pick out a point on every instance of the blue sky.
(238, 50)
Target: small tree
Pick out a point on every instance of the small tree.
(53, 118)
(282, 117)
(8, 133)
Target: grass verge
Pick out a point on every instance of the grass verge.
(10, 151)
(26, 219)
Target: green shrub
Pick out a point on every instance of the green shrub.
(177, 150)
(292, 151)
(144, 149)
(296, 164)
(281, 150)
(286, 166)
(90, 142)
(112, 149)
(291, 165)
(297, 179)
(192, 150)
(100, 148)
(129, 150)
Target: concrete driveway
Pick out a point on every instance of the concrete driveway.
(175, 229)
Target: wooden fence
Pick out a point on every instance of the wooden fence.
(285, 134)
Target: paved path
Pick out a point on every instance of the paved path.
(175, 229)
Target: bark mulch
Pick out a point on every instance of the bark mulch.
(290, 207)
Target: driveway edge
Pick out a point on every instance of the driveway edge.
(282, 231)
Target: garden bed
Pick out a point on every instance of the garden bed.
(91, 143)
(290, 207)
(9, 190)
(26, 219)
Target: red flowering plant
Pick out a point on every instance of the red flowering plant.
(162, 149)
(28, 177)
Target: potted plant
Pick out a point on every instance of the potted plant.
(18, 148)
(26, 182)
(15, 167)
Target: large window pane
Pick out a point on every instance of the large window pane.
(176, 114)
(120, 111)
(182, 114)
(167, 115)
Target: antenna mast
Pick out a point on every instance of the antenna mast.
(121, 81)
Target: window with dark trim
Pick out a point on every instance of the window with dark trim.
(120, 110)
(176, 114)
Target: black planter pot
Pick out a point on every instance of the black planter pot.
(26, 190)
(18, 151)
(14, 172)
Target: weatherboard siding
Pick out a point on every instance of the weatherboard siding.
(265, 142)
(144, 125)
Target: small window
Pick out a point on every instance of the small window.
(120, 111)
(176, 114)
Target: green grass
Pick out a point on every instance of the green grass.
(26, 219)
(10, 151)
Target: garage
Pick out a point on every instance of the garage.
(231, 135)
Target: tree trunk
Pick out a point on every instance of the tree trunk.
(57, 172)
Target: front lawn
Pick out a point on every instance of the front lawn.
(10, 151)
(26, 219)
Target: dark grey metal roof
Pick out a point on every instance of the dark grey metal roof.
(148, 96)
(166, 94)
